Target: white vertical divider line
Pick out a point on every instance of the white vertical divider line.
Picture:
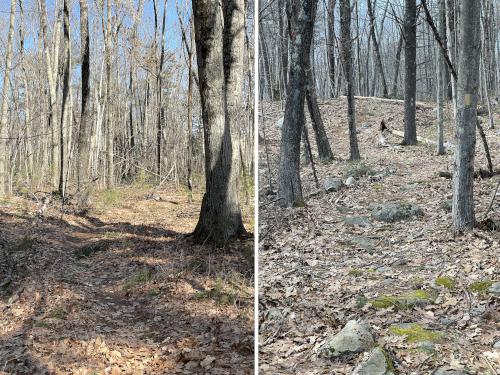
(256, 185)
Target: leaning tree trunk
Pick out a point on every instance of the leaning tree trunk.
(301, 16)
(378, 58)
(4, 156)
(410, 28)
(83, 160)
(220, 216)
(465, 128)
(324, 149)
(345, 29)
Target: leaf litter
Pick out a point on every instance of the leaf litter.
(117, 291)
(324, 264)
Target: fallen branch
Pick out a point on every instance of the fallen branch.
(393, 101)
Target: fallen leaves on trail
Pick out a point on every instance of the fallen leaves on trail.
(122, 291)
(326, 263)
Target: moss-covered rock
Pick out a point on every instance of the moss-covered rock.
(395, 211)
(445, 281)
(480, 287)
(408, 300)
(354, 338)
(416, 333)
(377, 363)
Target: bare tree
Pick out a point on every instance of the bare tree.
(301, 15)
(465, 127)
(345, 26)
(220, 215)
(5, 102)
(410, 29)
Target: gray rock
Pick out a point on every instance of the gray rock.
(395, 211)
(495, 289)
(279, 123)
(427, 347)
(350, 181)
(376, 364)
(496, 345)
(353, 338)
(363, 242)
(357, 220)
(333, 184)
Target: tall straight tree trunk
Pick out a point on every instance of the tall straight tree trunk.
(65, 92)
(324, 149)
(160, 109)
(83, 160)
(331, 45)
(4, 155)
(233, 50)
(109, 136)
(465, 127)
(410, 28)
(345, 29)
(301, 15)
(440, 80)
(283, 44)
(394, 91)
(450, 39)
(378, 58)
(220, 214)
(190, 113)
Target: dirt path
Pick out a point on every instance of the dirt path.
(122, 291)
(330, 261)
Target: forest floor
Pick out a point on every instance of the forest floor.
(329, 262)
(122, 290)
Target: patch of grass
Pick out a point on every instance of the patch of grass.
(110, 198)
(218, 294)
(88, 250)
(358, 169)
(445, 281)
(57, 313)
(141, 277)
(416, 333)
(361, 301)
(404, 301)
(377, 187)
(355, 272)
(480, 287)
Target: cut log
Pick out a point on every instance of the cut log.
(393, 101)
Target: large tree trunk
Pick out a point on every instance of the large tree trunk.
(65, 93)
(465, 128)
(4, 155)
(83, 160)
(301, 16)
(220, 215)
(410, 28)
(345, 29)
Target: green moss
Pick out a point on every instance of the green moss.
(355, 272)
(404, 301)
(480, 286)
(57, 313)
(416, 333)
(445, 281)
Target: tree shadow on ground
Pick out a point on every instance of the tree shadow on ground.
(140, 304)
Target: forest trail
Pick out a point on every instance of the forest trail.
(122, 290)
(329, 262)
